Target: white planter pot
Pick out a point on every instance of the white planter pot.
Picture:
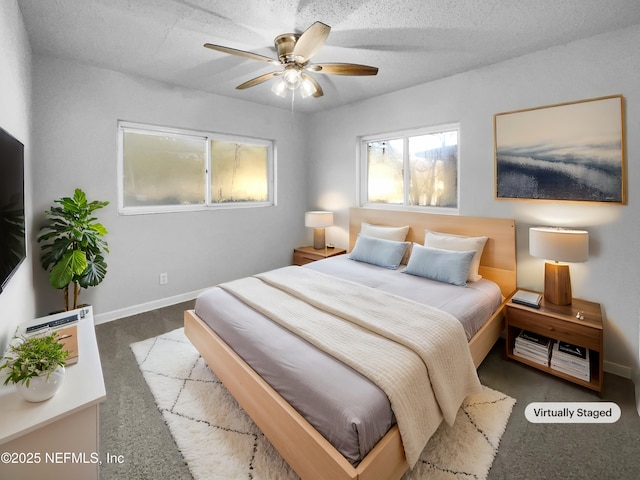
(41, 388)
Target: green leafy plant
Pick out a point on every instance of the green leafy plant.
(73, 246)
(33, 357)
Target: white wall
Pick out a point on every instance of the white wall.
(600, 66)
(76, 109)
(17, 300)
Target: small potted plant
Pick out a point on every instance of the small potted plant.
(36, 366)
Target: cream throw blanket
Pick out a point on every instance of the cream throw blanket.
(411, 351)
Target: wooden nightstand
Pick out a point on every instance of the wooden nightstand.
(579, 323)
(304, 255)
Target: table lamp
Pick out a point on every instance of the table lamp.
(318, 220)
(558, 245)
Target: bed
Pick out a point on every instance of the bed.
(308, 452)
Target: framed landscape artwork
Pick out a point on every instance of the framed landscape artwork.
(571, 151)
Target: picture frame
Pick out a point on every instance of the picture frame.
(571, 151)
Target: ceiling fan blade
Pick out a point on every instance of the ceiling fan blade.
(310, 42)
(343, 69)
(255, 81)
(309, 78)
(242, 53)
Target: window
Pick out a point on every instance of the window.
(417, 168)
(169, 170)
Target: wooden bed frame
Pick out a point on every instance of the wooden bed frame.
(306, 450)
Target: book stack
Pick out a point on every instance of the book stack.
(530, 299)
(533, 347)
(571, 360)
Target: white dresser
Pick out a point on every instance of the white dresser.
(57, 438)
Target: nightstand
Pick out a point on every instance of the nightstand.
(65, 424)
(304, 255)
(579, 323)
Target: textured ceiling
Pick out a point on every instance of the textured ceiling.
(411, 41)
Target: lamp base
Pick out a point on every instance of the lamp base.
(557, 284)
(318, 238)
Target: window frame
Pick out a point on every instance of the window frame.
(207, 137)
(404, 135)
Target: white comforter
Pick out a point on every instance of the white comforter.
(411, 351)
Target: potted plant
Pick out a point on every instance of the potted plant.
(36, 366)
(73, 246)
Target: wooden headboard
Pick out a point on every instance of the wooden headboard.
(498, 261)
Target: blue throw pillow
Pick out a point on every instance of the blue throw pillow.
(449, 266)
(378, 251)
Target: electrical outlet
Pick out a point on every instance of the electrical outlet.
(164, 278)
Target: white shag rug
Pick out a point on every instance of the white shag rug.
(220, 442)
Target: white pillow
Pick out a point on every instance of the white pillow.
(397, 234)
(449, 241)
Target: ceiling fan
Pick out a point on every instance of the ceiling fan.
(294, 54)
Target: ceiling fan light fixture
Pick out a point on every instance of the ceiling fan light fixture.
(307, 88)
(280, 88)
(292, 77)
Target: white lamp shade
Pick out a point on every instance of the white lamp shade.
(559, 244)
(318, 219)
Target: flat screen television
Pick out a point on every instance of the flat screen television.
(12, 222)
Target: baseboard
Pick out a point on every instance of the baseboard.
(636, 382)
(144, 307)
(632, 373)
(617, 369)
